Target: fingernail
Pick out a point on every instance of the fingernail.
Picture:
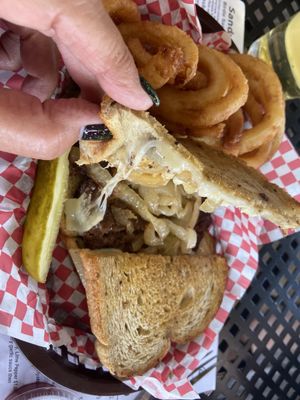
(150, 91)
(95, 132)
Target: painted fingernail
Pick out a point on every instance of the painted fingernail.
(96, 132)
(150, 91)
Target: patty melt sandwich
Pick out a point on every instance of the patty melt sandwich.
(136, 226)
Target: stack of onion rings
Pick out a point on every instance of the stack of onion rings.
(204, 94)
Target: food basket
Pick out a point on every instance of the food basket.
(62, 366)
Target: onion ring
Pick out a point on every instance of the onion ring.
(259, 156)
(218, 85)
(212, 135)
(159, 68)
(191, 109)
(122, 10)
(140, 54)
(234, 131)
(155, 36)
(198, 82)
(264, 153)
(253, 109)
(266, 89)
(216, 131)
(210, 140)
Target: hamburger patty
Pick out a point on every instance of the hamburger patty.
(109, 233)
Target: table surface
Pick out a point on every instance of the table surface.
(259, 355)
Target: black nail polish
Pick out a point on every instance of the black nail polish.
(150, 91)
(96, 132)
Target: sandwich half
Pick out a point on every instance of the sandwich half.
(139, 303)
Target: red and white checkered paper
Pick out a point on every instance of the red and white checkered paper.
(57, 314)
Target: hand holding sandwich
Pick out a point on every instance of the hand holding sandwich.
(33, 125)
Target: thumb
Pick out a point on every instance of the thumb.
(42, 130)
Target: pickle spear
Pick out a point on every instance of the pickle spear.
(43, 216)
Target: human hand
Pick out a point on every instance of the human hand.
(95, 55)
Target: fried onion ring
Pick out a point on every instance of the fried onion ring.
(234, 131)
(218, 85)
(157, 38)
(192, 108)
(266, 89)
(140, 54)
(210, 140)
(198, 82)
(264, 153)
(253, 109)
(216, 131)
(122, 10)
(159, 68)
(211, 135)
(259, 156)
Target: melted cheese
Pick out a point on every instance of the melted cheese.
(136, 155)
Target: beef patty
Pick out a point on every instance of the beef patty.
(109, 233)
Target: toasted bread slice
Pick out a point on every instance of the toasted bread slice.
(222, 179)
(139, 303)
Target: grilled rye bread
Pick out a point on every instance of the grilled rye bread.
(139, 303)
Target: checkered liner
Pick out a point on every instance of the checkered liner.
(57, 313)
